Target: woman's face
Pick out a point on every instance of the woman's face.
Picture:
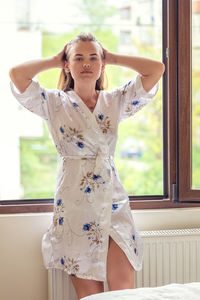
(85, 62)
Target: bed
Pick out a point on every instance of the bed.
(188, 291)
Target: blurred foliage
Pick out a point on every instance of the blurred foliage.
(39, 166)
(196, 129)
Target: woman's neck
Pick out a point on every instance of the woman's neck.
(87, 94)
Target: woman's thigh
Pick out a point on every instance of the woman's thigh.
(120, 273)
(86, 287)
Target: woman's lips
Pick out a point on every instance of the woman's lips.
(86, 72)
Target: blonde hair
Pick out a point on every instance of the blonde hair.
(65, 81)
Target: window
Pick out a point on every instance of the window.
(189, 101)
(125, 13)
(125, 37)
(160, 174)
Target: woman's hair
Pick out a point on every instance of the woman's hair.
(65, 81)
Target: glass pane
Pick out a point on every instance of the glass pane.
(29, 160)
(139, 153)
(195, 94)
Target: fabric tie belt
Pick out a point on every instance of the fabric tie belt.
(100, 158)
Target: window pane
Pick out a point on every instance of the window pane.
(29, 160)
(195, 94)
(139, 155)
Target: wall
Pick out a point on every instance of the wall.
(22, 274)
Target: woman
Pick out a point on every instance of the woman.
(93, 237)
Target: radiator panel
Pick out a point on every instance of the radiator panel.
(170, 256)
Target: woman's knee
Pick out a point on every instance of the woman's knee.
(85, 287)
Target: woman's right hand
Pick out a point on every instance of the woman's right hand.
(21, 75)
(60, 58)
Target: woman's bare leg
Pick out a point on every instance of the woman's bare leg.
(86, 287)
(120, 273)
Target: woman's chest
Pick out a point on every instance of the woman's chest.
(75, 119)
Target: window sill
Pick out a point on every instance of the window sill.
(135, 205)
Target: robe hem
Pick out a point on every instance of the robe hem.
(114, 236)
(79, 275)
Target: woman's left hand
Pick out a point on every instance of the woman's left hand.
(109, 57)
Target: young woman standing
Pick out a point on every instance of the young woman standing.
(92, 237)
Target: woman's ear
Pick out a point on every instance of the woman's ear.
(66, 66)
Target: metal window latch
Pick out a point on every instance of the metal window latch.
(167, 52)
(174, 193)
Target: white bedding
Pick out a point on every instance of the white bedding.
(189, 291)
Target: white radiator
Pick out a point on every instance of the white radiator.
(170, 256)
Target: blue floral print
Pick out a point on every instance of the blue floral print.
(100, 116)
(88, 190)
(115, 206)
(70, 264)
(61, 129)
(127, 84)
(133, 244)
(135, 102)
(96, 176)
(62, 261)
(61, 221)
(80, 145)
(58, 217)
(71, 134)
(86, 227)
(43, 95)
(75, 104)
(59, 202)
(104, 123)
(94, 233)
(91, 181)
(124, 91)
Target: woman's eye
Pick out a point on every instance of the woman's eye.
(78, 58)
(93, 58)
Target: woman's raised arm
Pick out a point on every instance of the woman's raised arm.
(150, 70)
(22, 74)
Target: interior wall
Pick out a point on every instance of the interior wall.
(22, 274)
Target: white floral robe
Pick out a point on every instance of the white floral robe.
(90, 203)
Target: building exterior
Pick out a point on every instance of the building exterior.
(140, 22)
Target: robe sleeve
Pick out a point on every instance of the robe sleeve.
(35, 98)
(132, 97)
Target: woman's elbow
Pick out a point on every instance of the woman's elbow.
(13, 73)
(161, 68)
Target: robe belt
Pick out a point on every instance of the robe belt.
(100, 157)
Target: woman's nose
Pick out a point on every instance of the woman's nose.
(86, 66)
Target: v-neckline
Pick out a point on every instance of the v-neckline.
(92, 112)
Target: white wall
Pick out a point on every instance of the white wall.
(22, 274)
